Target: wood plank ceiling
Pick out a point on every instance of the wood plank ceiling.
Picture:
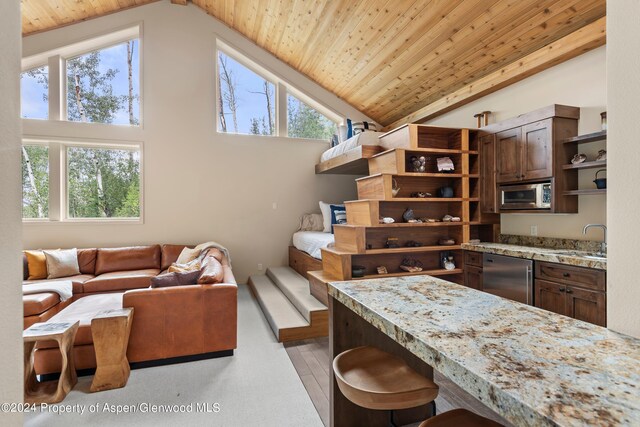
(387, 58)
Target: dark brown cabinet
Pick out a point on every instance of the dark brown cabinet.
(537, 151)
(576, 292)
(525, 153)
(508, 155)
(473, 277)
(488, 191)
(590, 306)
(473, 270)
(551, 296)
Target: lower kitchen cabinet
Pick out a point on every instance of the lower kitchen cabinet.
(550, 296)
(578, 292)
(473, 277)
(590, 306)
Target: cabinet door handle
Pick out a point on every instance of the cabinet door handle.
(569, 291)
(561, 289)
(566, 274)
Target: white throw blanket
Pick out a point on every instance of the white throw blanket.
(64, 288)
(202, 247)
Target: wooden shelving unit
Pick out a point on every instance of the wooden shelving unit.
(583, 139)
(361, 242)
(587, 165)
(595, 164)
(586, 192)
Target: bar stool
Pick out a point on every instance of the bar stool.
(459, 418)
(374, 379)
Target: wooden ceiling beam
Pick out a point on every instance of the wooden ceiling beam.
(581, 41)
(180, 2)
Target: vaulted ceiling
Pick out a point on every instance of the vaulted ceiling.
(387, 58)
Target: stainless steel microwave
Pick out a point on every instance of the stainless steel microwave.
(525, 196)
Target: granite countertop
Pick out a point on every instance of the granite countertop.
(533, 367)
(562, 256)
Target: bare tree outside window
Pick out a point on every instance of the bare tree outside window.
(103, 86)
(246, 100)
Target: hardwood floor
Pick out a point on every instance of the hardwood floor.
(312, 362)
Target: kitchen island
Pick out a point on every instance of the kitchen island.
(533, 367)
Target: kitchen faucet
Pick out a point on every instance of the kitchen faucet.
(603, 245)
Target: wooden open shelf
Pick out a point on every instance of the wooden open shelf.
(420, 224)
(410, 250)
(590, 137)
(438, 272)
(586, 165)
(572, 170)
(585, 192)
(361, 242)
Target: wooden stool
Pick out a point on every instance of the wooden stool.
(50, 391)
(110, 330)
(459, 418)
(374, 379)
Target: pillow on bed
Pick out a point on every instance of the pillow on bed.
(311, 222)
(338, 215)
(325, 208)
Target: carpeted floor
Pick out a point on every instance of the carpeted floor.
(256, 386)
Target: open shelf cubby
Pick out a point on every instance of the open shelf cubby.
(387, 193)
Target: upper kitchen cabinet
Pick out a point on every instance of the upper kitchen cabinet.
(525, 153)
(525, 150)
(509, 143)
(536, 147)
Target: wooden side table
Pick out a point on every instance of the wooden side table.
(110, 330)
(50, 391)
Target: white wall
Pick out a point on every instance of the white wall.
(198, 185)
(623, 85)
(10, 215)
(580, 82)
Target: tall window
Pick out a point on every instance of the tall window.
(246, 100)
(304, 121)
(35, 181)
(96, 182)
(34, 86)
(103, 86)
(103, 182)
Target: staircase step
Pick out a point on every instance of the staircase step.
(296, 289)
(277, 308)
(287, 323)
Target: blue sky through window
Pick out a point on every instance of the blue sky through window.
(115, 58)
(34, 93)
(34, 90)
(250, 99)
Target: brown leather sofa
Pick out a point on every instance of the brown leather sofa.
(168, 323)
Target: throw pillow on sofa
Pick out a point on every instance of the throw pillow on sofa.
(37, 265)
(212, 271)
(62, 263)
(175, 279)
(187, 255)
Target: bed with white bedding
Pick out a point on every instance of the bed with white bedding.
(350, 156)
(312, 241)
(363, 138)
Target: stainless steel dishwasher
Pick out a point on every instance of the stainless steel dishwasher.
(508, 277)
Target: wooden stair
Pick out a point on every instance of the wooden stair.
(362, 241)
(291, 311)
